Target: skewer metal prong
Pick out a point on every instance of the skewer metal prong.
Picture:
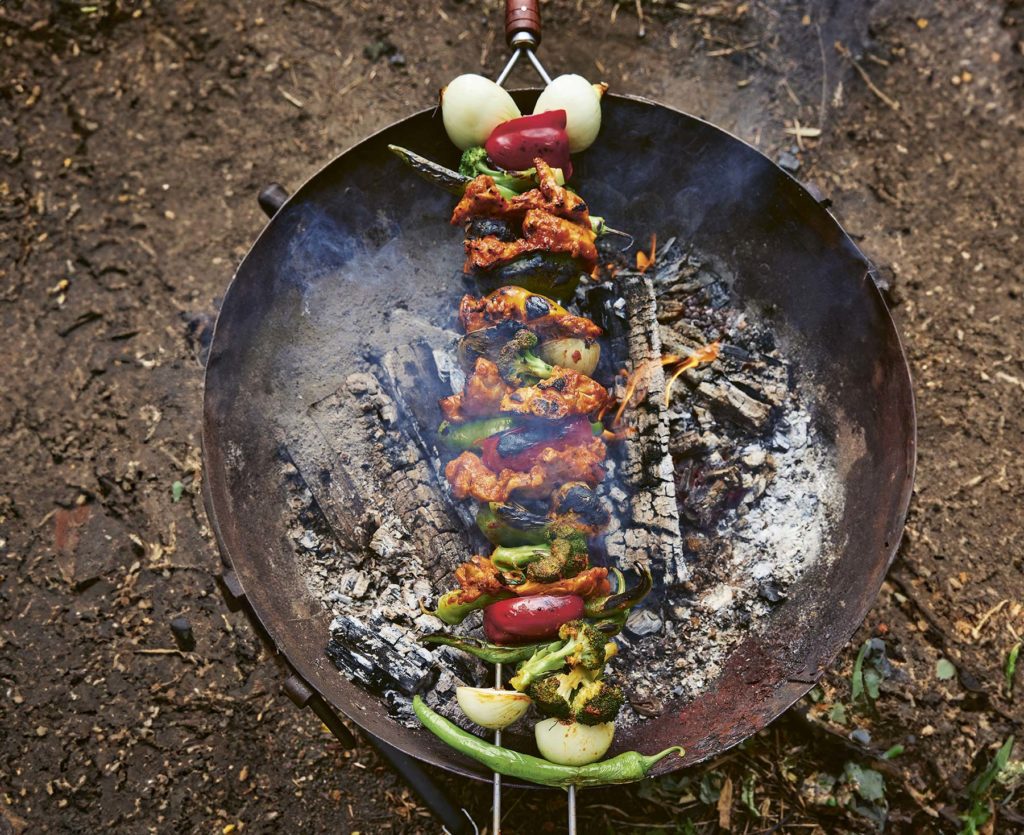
(538, 66)
(572, 810)
(496, 794)
(508, 68)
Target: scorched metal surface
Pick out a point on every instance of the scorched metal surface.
(313, 299)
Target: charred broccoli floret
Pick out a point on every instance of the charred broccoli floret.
(551, 697)
(566, 555)
(568, 549)
(517, 363)
(578, 695)
(596, 702)
(582, 646)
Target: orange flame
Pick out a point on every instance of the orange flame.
(640, 373)
(707, 353)
(704, 354)
(643, 260)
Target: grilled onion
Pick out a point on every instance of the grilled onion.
(578, 354)
(491, 708)
(581, 102)
(572, 743)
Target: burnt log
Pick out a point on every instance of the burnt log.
(646, 473)
(418, 534)
(381, 656)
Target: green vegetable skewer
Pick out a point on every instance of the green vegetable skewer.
(625, 768)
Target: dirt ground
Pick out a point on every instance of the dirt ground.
(133, 140)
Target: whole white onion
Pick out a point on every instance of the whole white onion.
(472, 106)
(581, 102)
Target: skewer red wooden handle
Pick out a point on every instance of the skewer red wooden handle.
(522, 16)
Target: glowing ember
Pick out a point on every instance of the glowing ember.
(706, 354)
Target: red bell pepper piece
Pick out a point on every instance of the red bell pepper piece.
(515, 144)
(522, 620)
(517, 450)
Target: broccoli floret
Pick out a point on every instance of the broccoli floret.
(578, 695)
(588, 650)
(596, 702)
(551, 697)
(566, 556)
(517, 363)
(474, 162)
(582, 646)
(569, 552)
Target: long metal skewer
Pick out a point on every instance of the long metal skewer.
(523, 42)
(496, 795)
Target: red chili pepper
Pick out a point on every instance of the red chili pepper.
(522, 620)
(515, 144)
(517, 449)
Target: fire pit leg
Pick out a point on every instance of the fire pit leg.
(454, 819)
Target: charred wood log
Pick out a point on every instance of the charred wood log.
(381, 656)
(415, 520)
(646, 472)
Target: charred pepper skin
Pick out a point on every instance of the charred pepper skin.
(625, 768)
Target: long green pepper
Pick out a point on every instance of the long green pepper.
(625, 768)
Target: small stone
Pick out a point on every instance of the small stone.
(41, 731)
(861, 736)
(643, 622)
(183, 637)
(788, 162)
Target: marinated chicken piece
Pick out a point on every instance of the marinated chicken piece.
(482, 199)
(546, 318)
(481, 395)
(542, 232)
(481, 576)
(469, 476)
(566, 392)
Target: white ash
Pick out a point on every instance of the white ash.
(746, 554)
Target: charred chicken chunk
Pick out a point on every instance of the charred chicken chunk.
(480, 576)
(546, 318)
(482, 199)
(563, 394)
(469, 476)
(542, 232)
(481, 395)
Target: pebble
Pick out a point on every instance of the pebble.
(183, 637)
(643, 622)
(788, 162)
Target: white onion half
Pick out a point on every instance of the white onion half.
(572, 743)
(581, 102)
(491, 708)
(571, 353)
(472, 106)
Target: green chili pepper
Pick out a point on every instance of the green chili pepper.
(492, 653)
(453, 613)
(623, 600)
(625, 768)
(469, 435)
(512, 525)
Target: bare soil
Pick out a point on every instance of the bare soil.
(133, 140)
